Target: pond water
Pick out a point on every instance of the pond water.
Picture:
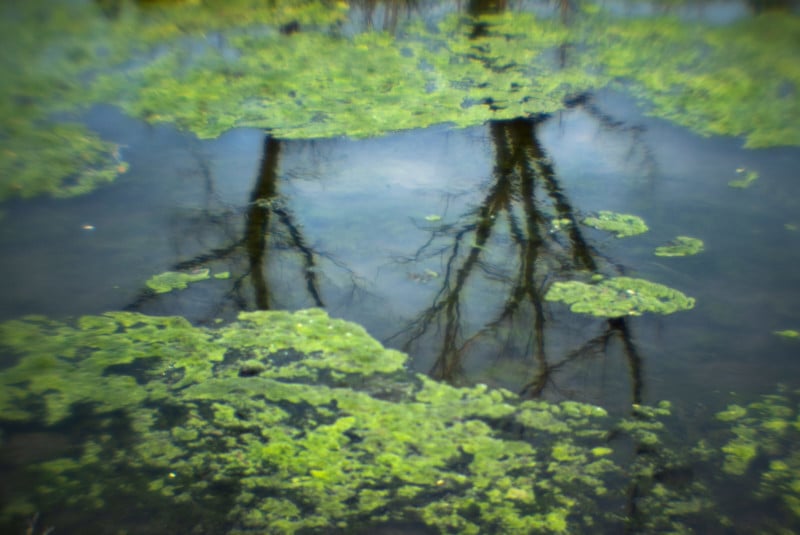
(442, 243)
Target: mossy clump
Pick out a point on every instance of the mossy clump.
(175, 280)
(619, 296)
(303, 422)
(622, 225)
(681, 246)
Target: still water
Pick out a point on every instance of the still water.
(442, 242)
(371, 225)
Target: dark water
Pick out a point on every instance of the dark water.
(384, 231)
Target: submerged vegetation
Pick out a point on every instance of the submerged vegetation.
(215, 66)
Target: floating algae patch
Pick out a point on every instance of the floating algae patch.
(618, 297)
(175, 280)
(766, 434)
(681, 246)
(622, 225)
(296, 422)
(48, 50)
(735, 79)
(749, 176)
(212, 66)
(788, 333)
(365, 85)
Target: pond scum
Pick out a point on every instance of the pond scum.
(293, 423)
(212, 66)
(296, 422)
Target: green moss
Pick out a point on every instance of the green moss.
(681, 246)
(175, 280)
(623, 225)
(619, 296)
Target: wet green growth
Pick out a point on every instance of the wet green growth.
(362, 86)
(749, 176)
(306, 422)
(48, 50)
(175, 280)
(681, 246)
(733, 79)
(209, 67)
(622, 225)
(618, 297)
(766, 433)
(788, 333)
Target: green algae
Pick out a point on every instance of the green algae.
(212, 66)
(768, 428)
(618, 297)
(362, 86)
(175, 280)
(42, 70)
(746, 181)
(622, 225)
(307, 422)
(681, 246)
(734, 79)
(788, 333)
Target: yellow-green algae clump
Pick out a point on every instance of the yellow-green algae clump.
(766, 434)
(212, 66)
(619, 296)
(296, 422)
(681, 246)
(175, 280)
(622, 225)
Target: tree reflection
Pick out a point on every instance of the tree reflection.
(269, 232)
(525, 210)
(525, 215)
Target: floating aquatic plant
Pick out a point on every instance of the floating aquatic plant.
(749, 176)
(175, 280)
(788, 333)
(622, 225)
(767, 429)
(618, 297)
(681, 246)
(306, 422)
